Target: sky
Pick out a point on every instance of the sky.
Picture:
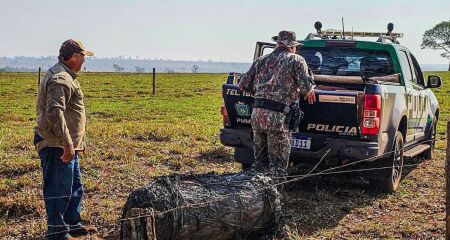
(203, 29)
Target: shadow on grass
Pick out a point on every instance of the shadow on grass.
(10, 209)
(216, 155)
(316, 203)
(412, 164)
(320, 202)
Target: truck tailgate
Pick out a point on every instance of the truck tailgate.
(335, 113)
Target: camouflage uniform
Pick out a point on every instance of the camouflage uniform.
(280, 76)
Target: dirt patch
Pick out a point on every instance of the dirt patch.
(9, 117)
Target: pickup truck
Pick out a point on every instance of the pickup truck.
(373, 106)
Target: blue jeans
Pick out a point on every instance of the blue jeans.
(63, 192)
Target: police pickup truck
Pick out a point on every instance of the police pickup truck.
(373, 106)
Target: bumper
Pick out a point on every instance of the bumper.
(340, 149)
(241, 138)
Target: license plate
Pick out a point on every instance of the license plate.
(301, 142)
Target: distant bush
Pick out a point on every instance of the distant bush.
(17, 69)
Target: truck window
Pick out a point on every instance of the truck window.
(267, 50)
(417, 71)
(406, 69)
(413, 71)
(347, 61)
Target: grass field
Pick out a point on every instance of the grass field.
(134, 136)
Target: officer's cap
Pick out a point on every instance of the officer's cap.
(287, 38)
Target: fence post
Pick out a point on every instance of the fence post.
(39, 76)
(154, 81)
(447, 185)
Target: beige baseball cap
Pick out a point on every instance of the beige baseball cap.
(71, 46)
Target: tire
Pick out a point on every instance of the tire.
(429, 154)
(387, 177)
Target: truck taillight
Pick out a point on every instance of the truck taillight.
(371, 114)
(226, 119)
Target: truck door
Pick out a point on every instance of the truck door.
(262, 49)
(419, 85)
(411, 95)
(238, 104)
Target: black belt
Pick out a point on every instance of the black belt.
(271, 105)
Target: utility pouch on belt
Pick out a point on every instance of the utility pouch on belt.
(294, 117)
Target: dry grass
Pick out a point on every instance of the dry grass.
(134, 137)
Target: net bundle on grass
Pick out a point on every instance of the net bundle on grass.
(211, 206)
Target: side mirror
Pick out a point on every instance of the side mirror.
(434, 81)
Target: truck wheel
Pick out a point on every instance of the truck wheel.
(387, 177)
(429, 154)
(246, 166)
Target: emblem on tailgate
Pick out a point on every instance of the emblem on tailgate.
(342, 130)
(337, 99)
(242, 109)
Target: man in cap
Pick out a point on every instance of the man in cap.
(276, 80)
(59, 137)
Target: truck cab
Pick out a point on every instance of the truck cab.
(373, 108)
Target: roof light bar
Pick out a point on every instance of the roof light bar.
(332, 32)
(347, 35)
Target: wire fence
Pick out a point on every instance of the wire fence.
(160, 214)
(169, 70)
(161, 67)
(284, 180)
(114, 68)
(140, 70)
(197, 69)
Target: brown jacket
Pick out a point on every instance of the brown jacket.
(61, 116)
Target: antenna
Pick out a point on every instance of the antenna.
(352, 33)
(343, 30)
